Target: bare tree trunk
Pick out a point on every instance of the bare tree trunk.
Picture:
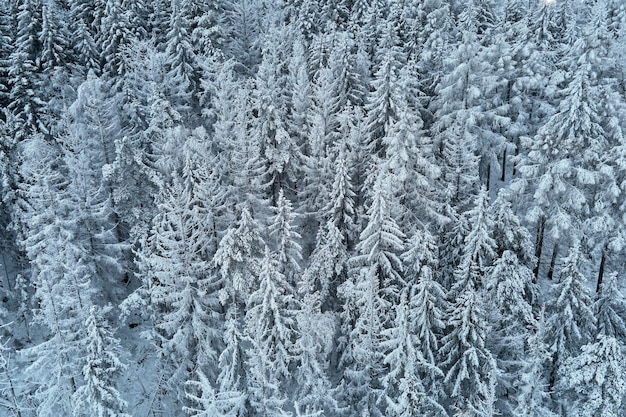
(539, 245)
(503, 177)
(601, 270)
(555, 252)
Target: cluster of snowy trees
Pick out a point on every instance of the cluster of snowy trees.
(255, 208)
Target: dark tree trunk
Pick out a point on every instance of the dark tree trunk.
(503, 177)
(539, 245)
(601, 270)
(555, 252)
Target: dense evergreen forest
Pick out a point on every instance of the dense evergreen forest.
(349, 208)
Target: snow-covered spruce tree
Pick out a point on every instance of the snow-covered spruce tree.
(54, 38)
(179, 284)
(115, 33)
(243, 34)
(24, 101)
(560, 168)
(6, 46)
(594, 381)
(312, 349)
(285, 239)
(99, 395)
(238, 258)
(405, 392)
(601, 228)
(183, 75)
(427, 306)
(610, 309)
(533, 398)
(512, 320)
(571, 320)
(368, 294)
(508, 231)
(206, 402)
(470, 368)
(231, 382)
(10, 384)
(60, 272)
(409, 156)
(327, 267)
(384, 102)
(271, 329)
(87, 151)
(479, 247)
(322, 136)
(278, 152)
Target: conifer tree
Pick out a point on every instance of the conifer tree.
(427, 305)
(208, 403)
(571, 321)
(406, 394)
(271, 327)
(596, 376)
(282, 231)
(99, 395)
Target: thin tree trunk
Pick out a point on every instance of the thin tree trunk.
(503, 177)
(601, 270)
(539, 245)
(555, 252)
(488, 176)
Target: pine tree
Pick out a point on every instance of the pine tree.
(99, 395)
(470, 369)
(406, 394)
(53, 38)
(271, 327)
(312, 348)
(23, 71)
(183, 76)
(508, 285)
(533, 397)
(596, 377)
(208, 403)
(282, 231)
(427, 305)
(610, 309)
(571, 320)
(178, 282)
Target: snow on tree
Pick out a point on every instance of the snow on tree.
(178, 281)
(231, 379)
(54, 37)
(479, 250)
(427, 303)
(25, 102)
(368, 294)
(238, 258)
(209, 403)
(571, 320)
(285, 237)
(312, 349)
(271, 329)
(182, 78)
(406, 394)
(99, 395)
(533, 398)
(113, 35)
(470, 369)
(610, 309)
(279, 154)
(596, 379)
(508, 285)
